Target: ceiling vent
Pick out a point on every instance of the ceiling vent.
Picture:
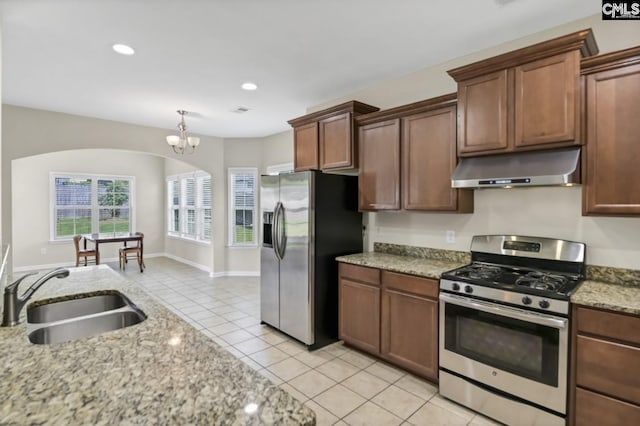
(240, 109)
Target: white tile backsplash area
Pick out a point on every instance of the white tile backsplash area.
(554, 212)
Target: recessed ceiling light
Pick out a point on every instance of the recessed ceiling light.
(249, 86)
(123, 49)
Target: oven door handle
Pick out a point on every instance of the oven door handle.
(492, 308)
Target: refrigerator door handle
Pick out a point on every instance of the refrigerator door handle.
(282, 242)
(275, 230)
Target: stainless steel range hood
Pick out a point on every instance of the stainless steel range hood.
(536, 168)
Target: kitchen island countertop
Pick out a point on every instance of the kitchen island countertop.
(161, 371)
(423, 267)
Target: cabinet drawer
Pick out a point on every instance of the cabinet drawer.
(609, 324)
(411, 284)
(360, 273)
(610, 368)
(596, 409)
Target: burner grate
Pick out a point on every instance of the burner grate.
(481, 272)
(542, 281)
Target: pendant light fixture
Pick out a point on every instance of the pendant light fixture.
(182, 143)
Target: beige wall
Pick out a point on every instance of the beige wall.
(277, 149)
(241, 152)
(197, 254)
(434, 81)
(611, 241)
(552, 212)
(259, 153)
(31, 199)
(1, 235)
(29, 132)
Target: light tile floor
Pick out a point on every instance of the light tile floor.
(343, 386)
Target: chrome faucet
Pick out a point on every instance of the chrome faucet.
(13, 303)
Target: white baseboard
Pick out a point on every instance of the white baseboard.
(57, 265)
(72, 264)
(187, 262)
(235, 274)
(170, 256)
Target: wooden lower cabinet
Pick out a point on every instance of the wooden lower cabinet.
(409, 329)
(359, 310)
(395, 319)
(596, 409)
(605, 382)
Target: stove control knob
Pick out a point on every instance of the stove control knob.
(456, 286)
(526, 300)
(544, 304)
(468, 289)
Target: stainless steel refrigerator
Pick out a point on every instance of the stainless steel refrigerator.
(308, 218)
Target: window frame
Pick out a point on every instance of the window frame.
(94, 206)
(231, 218)
(183, 207)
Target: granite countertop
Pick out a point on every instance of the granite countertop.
(608, 288)
(161, 371)
(424, 267)
(604, 295)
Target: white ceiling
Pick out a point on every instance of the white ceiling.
(194, 54)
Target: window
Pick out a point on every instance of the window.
(84, 204)
(189, 206)
(242, 206)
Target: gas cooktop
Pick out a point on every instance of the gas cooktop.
(531, 281)
(533, 273)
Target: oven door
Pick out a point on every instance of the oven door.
(521, 353)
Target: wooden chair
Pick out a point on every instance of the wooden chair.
(90, 256)
(128, 252)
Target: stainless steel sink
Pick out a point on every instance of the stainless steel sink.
(85, 326)
(83, 315)
(81, 306)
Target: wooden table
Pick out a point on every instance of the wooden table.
(114, 237)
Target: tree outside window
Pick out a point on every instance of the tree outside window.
(90, 204)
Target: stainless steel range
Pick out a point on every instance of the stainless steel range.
(504, 328)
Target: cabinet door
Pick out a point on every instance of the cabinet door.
(409, 329)
(482, 114)
(305, 147)
(608, 367)
(595, 409)
(612, 151)
(428, 160)
(336, 142)
(360, 315)
(547, 101)
(379, 179)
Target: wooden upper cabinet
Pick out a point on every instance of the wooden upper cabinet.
(612, 153)
(428, 160)
(305, 147)
(407, 156)
(523, 100)
(379, 178)
(337, 150)
(547, 107)
(326, 139)
(482, 114)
